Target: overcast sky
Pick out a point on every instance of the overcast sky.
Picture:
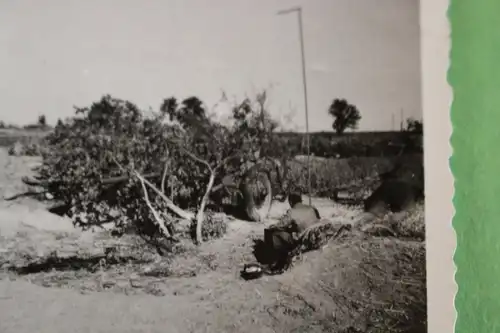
(58, 53)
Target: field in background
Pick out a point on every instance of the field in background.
(329, 174)
(355, 144)
(367, 137)
(323, 144)
(8, 137)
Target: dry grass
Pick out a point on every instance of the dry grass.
(329, 174)
(408, 224)
(362, 283)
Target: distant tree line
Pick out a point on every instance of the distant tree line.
(325, 144)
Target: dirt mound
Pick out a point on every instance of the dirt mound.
(362, 285)
(17, 217)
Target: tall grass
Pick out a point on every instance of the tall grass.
(329, 174)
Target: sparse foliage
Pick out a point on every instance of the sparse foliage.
(346, 115)
(414, 126)
(214, 227)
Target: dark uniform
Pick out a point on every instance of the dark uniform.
(281, 238)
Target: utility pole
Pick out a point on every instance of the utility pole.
(298, 10)
(402, 120)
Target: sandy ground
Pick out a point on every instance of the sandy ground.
(211, 301)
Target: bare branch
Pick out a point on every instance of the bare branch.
(222, 99)
(170, 204)
(201, 212)
(25, 194)
(118, 164)
(221, 186)
(104, 181)
(159, 221)
(224, 161)
(197, 159)
(33, 182)
(164, 176)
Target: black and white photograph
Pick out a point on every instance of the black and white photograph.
(212, 166)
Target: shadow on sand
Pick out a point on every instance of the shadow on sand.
(73, 263)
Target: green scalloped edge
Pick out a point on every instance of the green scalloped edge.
(474, 76)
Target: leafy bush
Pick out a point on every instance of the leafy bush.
(180, 150)
(214, 226)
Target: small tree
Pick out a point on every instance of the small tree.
(42, 121)
(414, 126)
(346, 115)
